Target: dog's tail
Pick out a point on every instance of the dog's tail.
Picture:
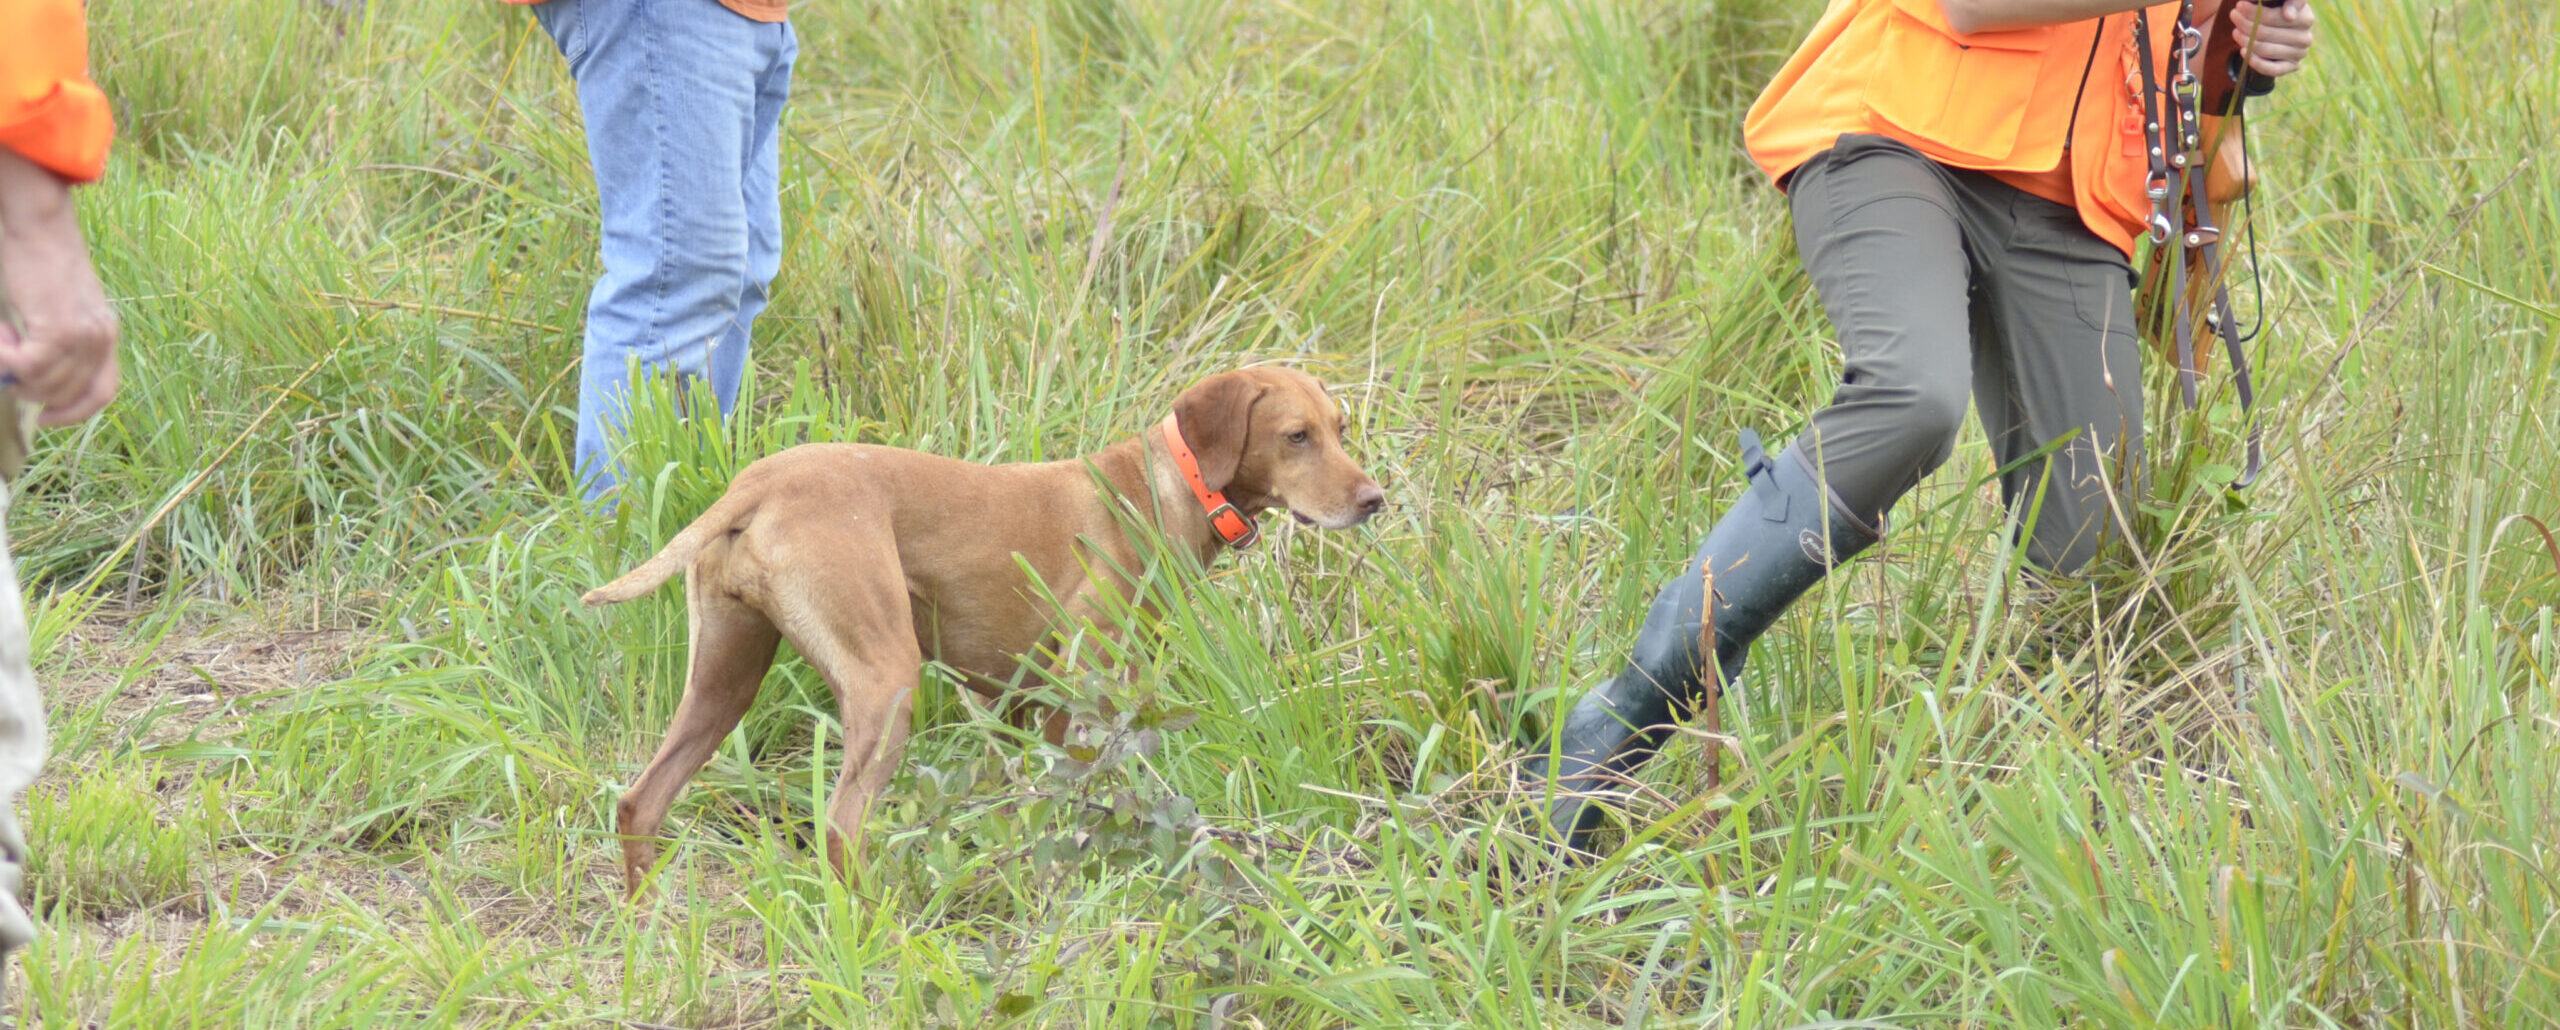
(674, 557)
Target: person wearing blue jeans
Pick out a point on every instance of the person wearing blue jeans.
(682, 101)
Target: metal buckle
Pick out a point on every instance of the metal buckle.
(1252, 532)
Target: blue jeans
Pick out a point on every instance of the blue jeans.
(681, 99)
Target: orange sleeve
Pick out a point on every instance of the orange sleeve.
(50, 113)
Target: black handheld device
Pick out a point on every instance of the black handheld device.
(2228, 80)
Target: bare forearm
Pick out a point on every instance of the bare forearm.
(31, 198)
(1993, 15)
(59, 348)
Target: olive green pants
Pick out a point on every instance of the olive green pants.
(1945, 283)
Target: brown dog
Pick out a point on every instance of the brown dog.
(872, 559)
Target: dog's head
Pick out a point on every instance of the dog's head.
(1272, 438)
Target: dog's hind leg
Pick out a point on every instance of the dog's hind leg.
(866, 648)
(888, 710)
(732, 647)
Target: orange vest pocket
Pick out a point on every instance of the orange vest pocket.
(1964, 94)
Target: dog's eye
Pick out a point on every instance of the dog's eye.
(1299, 438)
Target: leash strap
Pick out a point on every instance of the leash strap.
(2206, 240)
(1237, 530)
(2177, 188)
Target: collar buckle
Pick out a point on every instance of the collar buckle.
(1224, 516)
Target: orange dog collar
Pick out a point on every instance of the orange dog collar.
(1231, 524)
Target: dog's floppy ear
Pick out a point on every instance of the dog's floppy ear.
(1215, 417)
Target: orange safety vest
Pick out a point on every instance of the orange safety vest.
(2016, 100)
(50, 113)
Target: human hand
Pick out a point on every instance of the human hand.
(2275, 36)
(61, 351)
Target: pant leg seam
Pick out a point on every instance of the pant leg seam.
(660, 136)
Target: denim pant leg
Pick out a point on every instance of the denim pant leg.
(680, 99)
(764, 221)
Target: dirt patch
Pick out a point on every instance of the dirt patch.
(119, 684)
(146, 692)
(446, 914)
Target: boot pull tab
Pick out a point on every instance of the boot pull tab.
(1763, 472)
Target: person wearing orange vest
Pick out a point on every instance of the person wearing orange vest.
(683, 106)
(57, 340)
(1968, 179)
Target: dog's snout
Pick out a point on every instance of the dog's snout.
(1369, 498)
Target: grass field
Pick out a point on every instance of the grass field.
(335, 747)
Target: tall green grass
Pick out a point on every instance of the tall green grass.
(2287, 762)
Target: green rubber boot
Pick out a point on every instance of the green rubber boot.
(1784, 535)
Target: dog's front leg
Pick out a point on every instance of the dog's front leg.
(1100, 651)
